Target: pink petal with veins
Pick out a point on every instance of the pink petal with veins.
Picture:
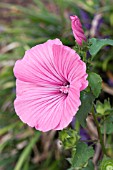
(77, 30)
(49, 80)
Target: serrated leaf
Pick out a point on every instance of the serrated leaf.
(95, 83)
(82, 155)
(98, 44)
(87, 99)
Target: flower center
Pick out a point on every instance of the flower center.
(64, 89)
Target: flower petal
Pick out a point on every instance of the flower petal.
(39, 107)
(42, 72)
(70, 107)
(70, 66)
(37, 65)
(77, 30)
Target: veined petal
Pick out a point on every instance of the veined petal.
(37, 65)
(39, 107)
(70, 106)
(65, 59)
(77, 30)
(49, 80)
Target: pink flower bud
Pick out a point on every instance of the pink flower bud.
(77, 29)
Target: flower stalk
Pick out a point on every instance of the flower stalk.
(99, 132)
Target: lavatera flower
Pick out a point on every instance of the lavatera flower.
(77, 30)
(49, 80)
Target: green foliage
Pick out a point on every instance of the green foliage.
(103, 108)
(69, 138)
(35, 24)
(107, 125)
(32, 25)
(87, 99)
(98, 44)
(90, 166)
(82, 154)
(106, 112)
(26, 152)
(106, 164)
(95, 83)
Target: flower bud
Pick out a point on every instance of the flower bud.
(77, 30)
(69, 138)
(107, 164)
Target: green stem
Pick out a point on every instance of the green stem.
(77, 126)
(89, 141)
(99, 133)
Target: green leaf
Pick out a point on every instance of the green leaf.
(26, 152)
(87, 99)
(98, 44)
(107, 126)
(82, 155)
(90, 166)
(103, 108)
(7, 128)
(95, 83)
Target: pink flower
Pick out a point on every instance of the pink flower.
(49, 80)
(77, 29)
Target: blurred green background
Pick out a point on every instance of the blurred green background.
(23, 24)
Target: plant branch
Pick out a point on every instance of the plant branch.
(99, 133)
